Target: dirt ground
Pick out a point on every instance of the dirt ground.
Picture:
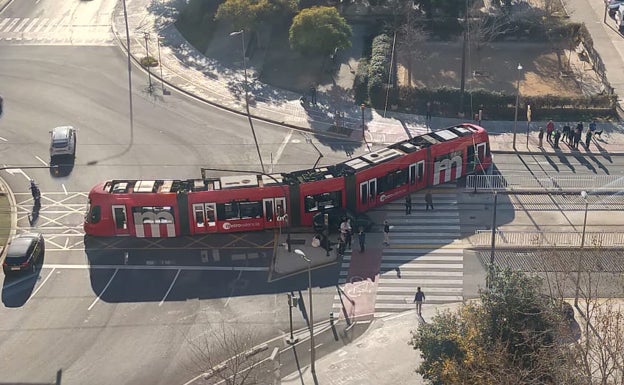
(494, 68)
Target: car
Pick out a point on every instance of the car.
(24, 252)
(613, 5)
(335, 216)
(63, 141)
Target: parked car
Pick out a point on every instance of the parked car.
(63, 141)
(335, 216)
(613, 6)
(24, 252)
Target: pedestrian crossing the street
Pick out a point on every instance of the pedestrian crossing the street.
(423, 252)
(53, 31)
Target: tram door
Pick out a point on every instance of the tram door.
(417, 176)
(120, 220)
(274, 212)
(368, 194)
(204, 218)
(481, 151)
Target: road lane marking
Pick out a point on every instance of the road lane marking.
(170, 287)
(64, 189)
(153, 267)
(2, 139)
(281, 148)
(41, 160)
(105, 287)
(40, 286)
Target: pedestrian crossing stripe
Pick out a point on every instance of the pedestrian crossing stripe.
(59, 31)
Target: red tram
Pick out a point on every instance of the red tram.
(170, 208)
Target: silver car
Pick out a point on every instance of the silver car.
(63, 141)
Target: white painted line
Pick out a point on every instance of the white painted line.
(170, 287)
(66, 242)
(145, 267)
(21, 25)
(32, 23)
(2, 139)
(41, 160)
(64, 189)
(281, 148)
(105, 287)
(40, 286)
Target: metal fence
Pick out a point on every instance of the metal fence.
(528, 239)
(526, 183)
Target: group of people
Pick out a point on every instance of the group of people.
(569, 135)
(428, 202)
(346, 236)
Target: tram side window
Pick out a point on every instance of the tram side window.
(238, 210)
(393, 180)
(250, 209)
(319, 202)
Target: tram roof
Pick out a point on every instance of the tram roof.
(362, 162)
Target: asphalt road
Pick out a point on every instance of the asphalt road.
(87, 312)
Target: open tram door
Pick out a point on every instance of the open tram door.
(275, 212)
(120, 219)
(368, 194)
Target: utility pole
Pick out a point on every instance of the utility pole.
(463, 63)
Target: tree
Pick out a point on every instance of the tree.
(248, 14)
(319, 30)
(510, 337)
(412, 39)
(227, 355)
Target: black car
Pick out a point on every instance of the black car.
(335, 216)
(23, 253)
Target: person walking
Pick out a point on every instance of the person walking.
(577, 137)
(550, 128)
(386, 231)
(348, 234)
(540, 137)
(362, 239)
(428, 200)
(419, 298)
(408, 204)
(566, 131)
(588, 137)
(557, 137)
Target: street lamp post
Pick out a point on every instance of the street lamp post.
(517, 102)
(242, 33)
(162, 79)
(312, 352)
(493, 243)
(578, 273)
(363, 107)
(148, 62)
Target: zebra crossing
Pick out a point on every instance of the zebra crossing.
(423, 252)
(55, 31)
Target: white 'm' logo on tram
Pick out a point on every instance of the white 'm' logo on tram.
(153, 220)
(445, 165)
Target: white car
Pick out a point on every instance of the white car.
(619, 18)
(63, 141)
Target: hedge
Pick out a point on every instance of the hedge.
(379, 68)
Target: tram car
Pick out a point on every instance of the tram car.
(171, 208)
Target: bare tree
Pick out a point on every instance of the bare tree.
(411, 43)
(227, 355)
(485, 25)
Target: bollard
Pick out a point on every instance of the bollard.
(331, 318)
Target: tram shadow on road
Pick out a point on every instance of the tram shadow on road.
(143, 270)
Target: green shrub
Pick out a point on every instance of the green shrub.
(148, 61)
(379, 68)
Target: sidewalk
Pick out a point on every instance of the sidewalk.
(189, 71)
(381, 356)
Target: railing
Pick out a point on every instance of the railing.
(525, 183)
(531, 239)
